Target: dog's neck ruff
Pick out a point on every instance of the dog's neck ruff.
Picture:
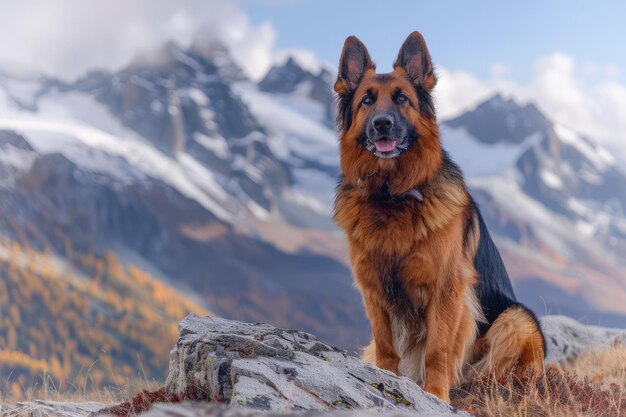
(413, 192)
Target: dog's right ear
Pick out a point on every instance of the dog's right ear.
(355, 60)
(415, 60)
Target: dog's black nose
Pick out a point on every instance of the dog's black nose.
(382, 122)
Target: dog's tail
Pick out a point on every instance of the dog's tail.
(514, 342)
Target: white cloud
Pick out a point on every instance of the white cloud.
(458, 91)
(67, 37)
(499, 70)
(561, 86)
(593, 70)
(251, 46)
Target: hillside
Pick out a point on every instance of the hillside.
(76, 327)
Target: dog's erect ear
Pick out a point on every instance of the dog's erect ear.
(415, 60)
(355, 60)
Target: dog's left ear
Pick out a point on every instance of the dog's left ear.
(415, 60)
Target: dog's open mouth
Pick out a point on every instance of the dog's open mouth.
(385, 145)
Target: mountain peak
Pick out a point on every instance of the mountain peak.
(302, 73)
(161, 55)
(211, 57)
(219, 55)
(501, 119)
(496, 100)
(284, 78)
(291, 62)
(292, 68)
(305, 60)
(502, 103)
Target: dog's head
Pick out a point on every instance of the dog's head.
(387, 121)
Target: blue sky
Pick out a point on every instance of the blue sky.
(467, 35)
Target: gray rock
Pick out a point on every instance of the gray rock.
(261, 367)
(41, 408)
(203, 409)
(567, 338)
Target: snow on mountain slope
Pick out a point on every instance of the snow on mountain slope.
(21, 91)
(296, 130)
(259, 144)
(75, 122)
(218, 168)
(552, 163)
(560, 234)
(297, 135)
(495, 169)
(82, 130)
(599, 156)
(477, 158)
(293, 75)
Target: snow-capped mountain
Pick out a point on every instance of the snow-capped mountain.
(224, 187)
(290, 78)
(555, 199)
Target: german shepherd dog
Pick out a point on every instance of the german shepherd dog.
(436, 292)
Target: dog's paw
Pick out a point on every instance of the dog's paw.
(439, 392)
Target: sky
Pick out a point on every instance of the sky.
(468, 35)
(566, 56)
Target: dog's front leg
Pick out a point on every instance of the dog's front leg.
(386, 356)
(371, 288)
(442, 360)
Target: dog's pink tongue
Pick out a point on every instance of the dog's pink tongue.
(385, 145)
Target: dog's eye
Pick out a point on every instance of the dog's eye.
(367, 100)
(401, 98)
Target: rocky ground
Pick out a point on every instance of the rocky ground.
(246, 369)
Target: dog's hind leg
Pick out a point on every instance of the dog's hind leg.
(514, 342)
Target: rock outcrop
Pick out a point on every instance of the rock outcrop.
(41, 408)
(567, 338)
(197, 409)
(262, 367)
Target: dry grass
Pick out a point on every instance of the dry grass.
(592, 386)
(107, 395)
(604, 367)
